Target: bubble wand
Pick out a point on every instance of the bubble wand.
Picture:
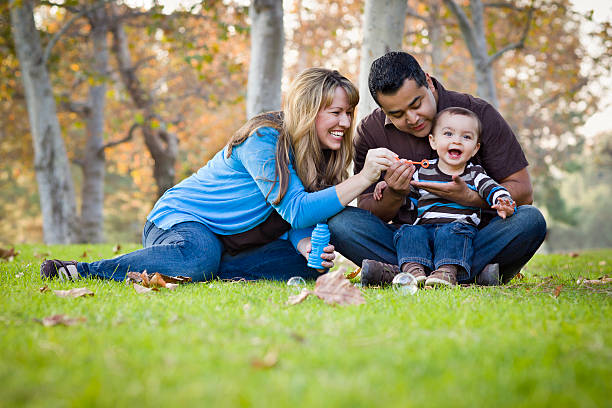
(423, 163)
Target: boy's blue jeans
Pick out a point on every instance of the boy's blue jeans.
(358, 234)
(191, 249)
(433, 245)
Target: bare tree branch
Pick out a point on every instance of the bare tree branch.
(412, 13)
(129, 137)
(67, 26)
(517, 45)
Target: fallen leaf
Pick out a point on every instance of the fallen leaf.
(60, 319)
(133, 277)
(84, 254)
(353, 274)
(558, 291)
(145, 279)
(574, 254)
(268, 361)
(334, 288)
(116, 249)
(77, 292)
(157, 281)
(141, 289)
(519, 276)
(175, 279)
(601, 281)
(44, 289)
(299, 298)
(8, 254)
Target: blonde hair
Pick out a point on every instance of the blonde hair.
(311, 91)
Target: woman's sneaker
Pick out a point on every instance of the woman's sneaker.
(56, 269)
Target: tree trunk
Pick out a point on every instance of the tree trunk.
(475, 39)
(162, 144)
(51, 164)
(266, 68)
(93, 167)
(383, 31)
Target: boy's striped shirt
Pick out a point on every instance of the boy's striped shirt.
(432, 209)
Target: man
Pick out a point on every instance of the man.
(409, 99)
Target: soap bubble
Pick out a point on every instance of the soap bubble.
(296, 284)
(404, 284)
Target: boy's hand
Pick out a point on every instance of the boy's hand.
(380, 186)
(505, 207)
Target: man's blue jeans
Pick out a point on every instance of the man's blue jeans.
(433, 245)
(358, 234)
(191, 249)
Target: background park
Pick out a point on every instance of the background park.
(137, 95)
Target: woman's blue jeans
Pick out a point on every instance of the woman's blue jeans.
(192, 249)
(358, 234)
(433, 245)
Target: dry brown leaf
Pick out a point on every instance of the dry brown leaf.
(8, 254)
(601, 281)
(299, 298)
(175, 279)
(60, 319)
(44, 289)
(116, 249)
(145, 279)
(268, 361)
(558, 291)
(157, 281)
(133, 277)
(141, 289)
(356, 272)
(84, 254)
(334, 288)
(574, 254)
(77, 292)
(519, 276)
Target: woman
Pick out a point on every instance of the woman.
(250, 211)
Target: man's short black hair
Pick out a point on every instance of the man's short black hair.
(387, 73)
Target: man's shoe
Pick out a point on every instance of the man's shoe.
(442, 276)
(56, 269)
(489, 276)
(375, 273)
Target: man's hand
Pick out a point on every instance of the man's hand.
(456, 191)
(398, 177)
(505, 207)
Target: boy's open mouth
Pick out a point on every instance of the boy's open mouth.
(454, 153)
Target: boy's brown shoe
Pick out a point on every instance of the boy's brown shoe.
(443, 276)
(377, 273)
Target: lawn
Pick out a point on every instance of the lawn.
(543, 340)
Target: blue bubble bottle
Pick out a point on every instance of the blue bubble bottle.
(319, 240)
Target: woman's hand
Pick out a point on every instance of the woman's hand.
(304, 247)
(377, 161)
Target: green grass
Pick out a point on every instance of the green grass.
(516, 345)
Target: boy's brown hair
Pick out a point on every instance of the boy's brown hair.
(456, 110)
